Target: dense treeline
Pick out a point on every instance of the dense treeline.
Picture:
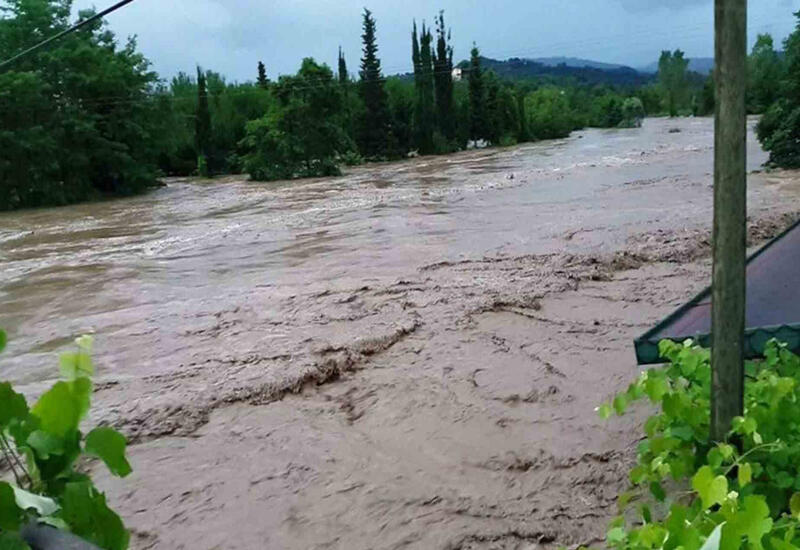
(76, 120)
(87, 118)
(775, 89)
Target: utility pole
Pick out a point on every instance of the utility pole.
(730, 211)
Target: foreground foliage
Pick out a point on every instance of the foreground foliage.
(706, 494)
(42, 446)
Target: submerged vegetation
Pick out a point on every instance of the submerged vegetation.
(695, 493)
(87, 118)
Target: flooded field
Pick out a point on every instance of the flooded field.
(468, 311)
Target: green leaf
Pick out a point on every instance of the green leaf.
(784, 480)
(779, 544)
(109, 445)
(45, 444)
(713, 540)
(714, 458)
(794, 505)
(657, 491)
(12, 541)
(44, 506)
(745, 474)
(647, 515)
(10, 513)
(753, 520)
(624, 499)
(13, 405)
(615, 536)
(725, 450)
(712, 490)
(684, 433)
(63, 406)
(620, 403)
(3, 339)
(75, 365)
(604, 411)
(638, 474)
(656, 388)
(85, 511)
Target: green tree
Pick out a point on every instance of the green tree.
(522, 118)
(478, 126)
(672, 77)
(375, 132)
(343, 77)
(202, 129)
(61, 139)
(764, 75)
(262, 80)
(779, 128)
(632, 113)
(443, 73)
(302, 134)
(424, 120)
(549, 114)
(402, 104)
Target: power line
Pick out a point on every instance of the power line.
(64, 33)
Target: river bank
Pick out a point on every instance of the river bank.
(408, 356)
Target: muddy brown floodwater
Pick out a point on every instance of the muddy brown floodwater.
(408, 356)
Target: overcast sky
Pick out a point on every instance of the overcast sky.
(231, 36)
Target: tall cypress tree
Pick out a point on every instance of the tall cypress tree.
(375, 132)
(263, 81)
(443, 71)
(202, 129)
(343, 78)
(344, 84)
(477, 97)
(423, 79)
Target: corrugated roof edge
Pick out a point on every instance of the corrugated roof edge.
(647, 348)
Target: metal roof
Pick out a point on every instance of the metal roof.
(772, 305)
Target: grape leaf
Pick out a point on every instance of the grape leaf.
(712, 490)
(656, 388)
(753, 520)
(745, 474)
(794, 505)
(604, 411)
(620, 403)
(615, 536)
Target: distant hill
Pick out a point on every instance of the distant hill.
(702, 65)
(577, 62)
(554, 68)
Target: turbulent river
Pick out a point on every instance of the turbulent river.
(470, 311)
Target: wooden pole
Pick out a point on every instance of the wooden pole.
(730, 211)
